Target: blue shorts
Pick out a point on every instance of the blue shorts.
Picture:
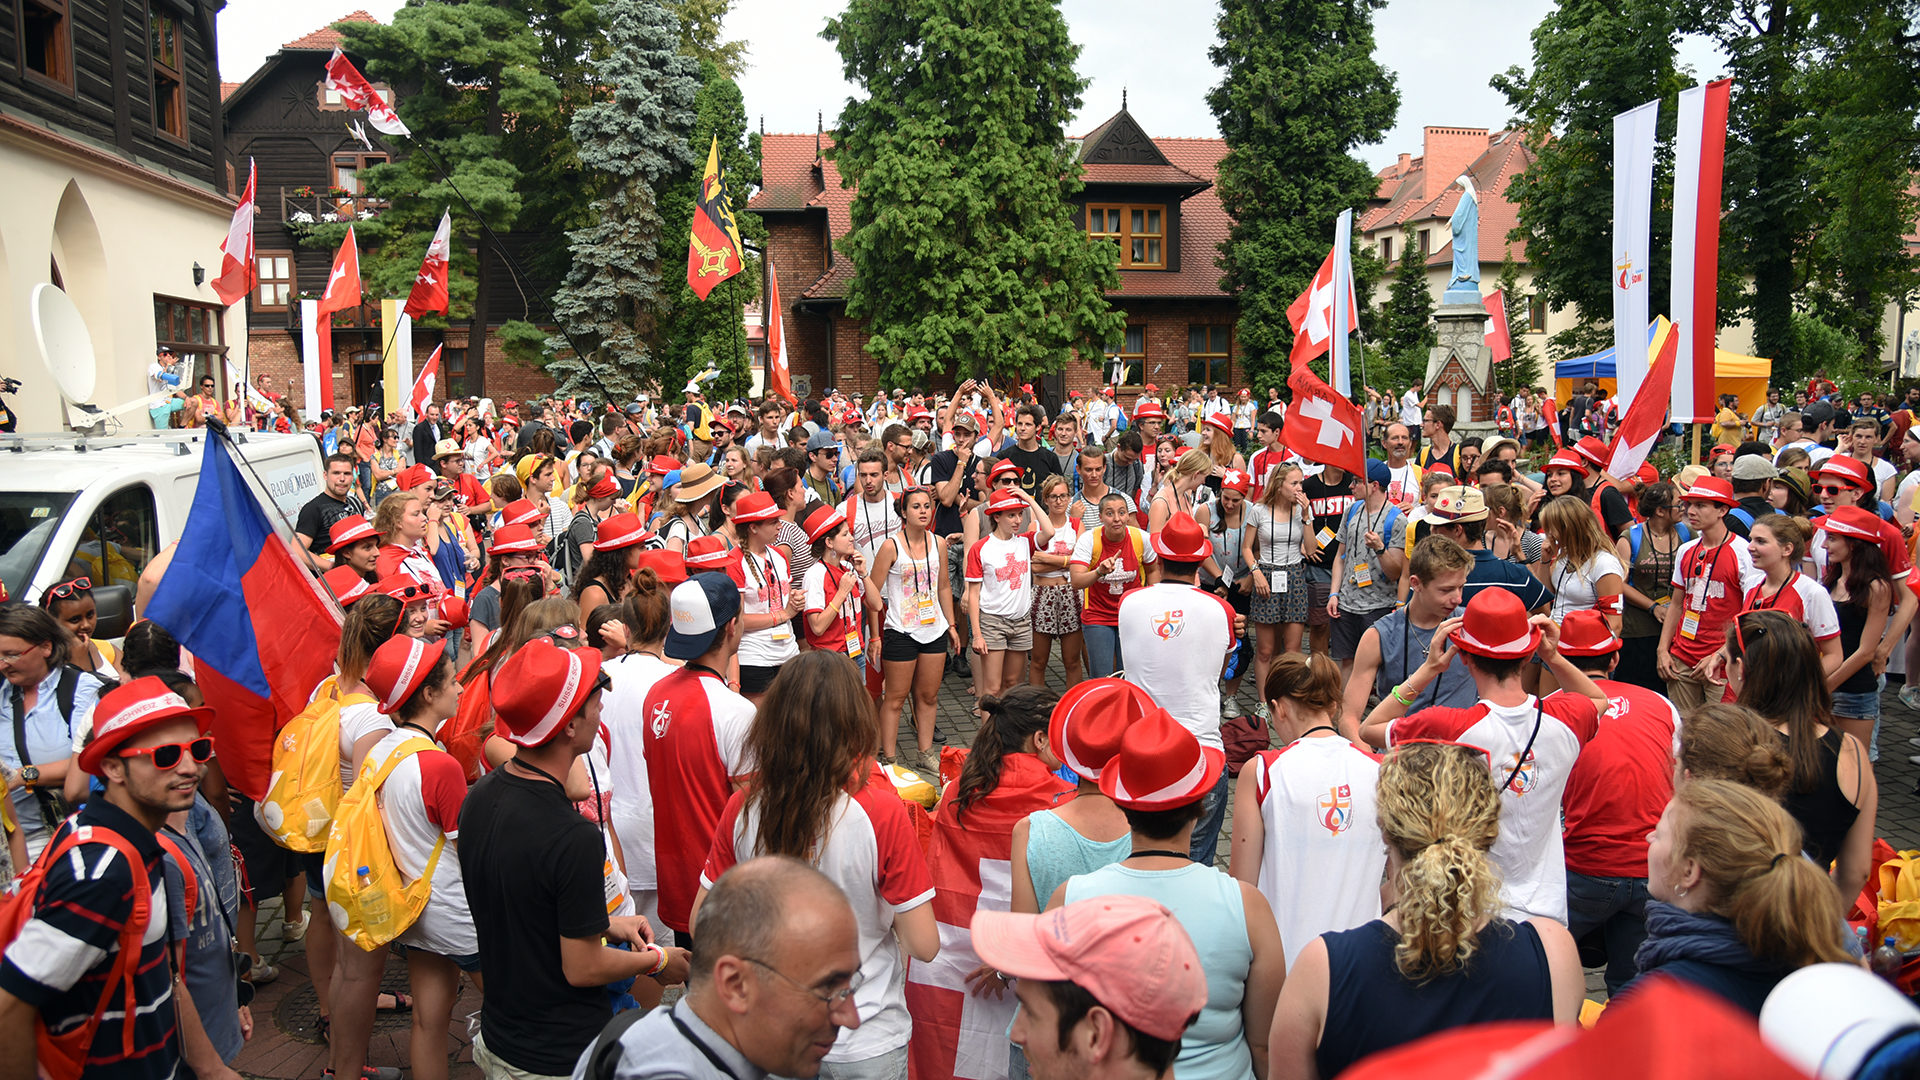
(469, 962)
(1861, 706)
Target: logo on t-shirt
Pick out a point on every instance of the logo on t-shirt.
(662, 716)
(1014, 573)
(1336, 809)
(1525, 779)
(1169, 624)
(1616, 706)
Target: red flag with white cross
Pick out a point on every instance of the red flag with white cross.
(1322, 426)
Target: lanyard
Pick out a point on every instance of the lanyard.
(1406, 662)
(1713, 566)
(702, 1046)
(1763, 602)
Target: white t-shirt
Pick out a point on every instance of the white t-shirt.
(872, 522)
(1805, 600)
(1410, 409)
(619, 892)
(1883, 471)
(1574, 588)
(769, 581)
(358, 720)
(1062, 543)
(1403, 484)
(1276, 542)
(1004, 571)
(621, 715)
(420, 802)
(1176, 637)
(1322, 859)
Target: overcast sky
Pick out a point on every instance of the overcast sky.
(1443, 55)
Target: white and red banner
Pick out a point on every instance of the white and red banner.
(1633, 138)
(1311, 314)
(779, 375)
(1322, 426)
(422, 395)
(342, 292)
(1498, 342)
(237, 273)
(1647, 416)
(429, 292)
(357, 93)
(1699, 154)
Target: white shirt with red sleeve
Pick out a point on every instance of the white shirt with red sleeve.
(419, 803)
(1529, 854)
(695, 740)
(1004, 571)
(1710, 583)
(1102, 604)
(1892, 545)
(819, 585)
(871, 852)
(871, 522)
(1804, 600)
(1176, 638)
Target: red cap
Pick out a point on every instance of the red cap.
(132, 708)
(540, 687)
(1567, 459)
(346, 584)
(823, 521)
(1497, 627)
(669, 566)
(399, 667)
(1585, 633)
(514, 539)
(520, 512)
(1182, 540)
(1221, 422)
(620, 531)
(1721, 450)
(1846, 470)
(1710, 489)
(1151, 389)
(758, 506)
(1090, 720)
(1161, 765)
(413, 476)
(349, 531)
(1854, 523)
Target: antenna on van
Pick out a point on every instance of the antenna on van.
(66, 350)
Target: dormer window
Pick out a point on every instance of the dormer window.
(1139, 232)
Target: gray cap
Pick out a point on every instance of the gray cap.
(1815, 414)
(1754, 467)
(822, 440)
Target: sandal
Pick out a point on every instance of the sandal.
(401, 1002)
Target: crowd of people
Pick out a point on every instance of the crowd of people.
(637, 698)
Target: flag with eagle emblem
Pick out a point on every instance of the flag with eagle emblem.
(714, 251)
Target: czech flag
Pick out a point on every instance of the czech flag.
(261, 635)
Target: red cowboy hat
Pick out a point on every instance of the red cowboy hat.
(520, 512)
(1160, 765)
(131, 708)
(1148, 410)
(1182, 540)
(711, 554)
(1004, 468)
(1593, 450)
(1004, 502)
(1846, 469)
(620, 531)
(1090, 720)
(758, 506)
(823, 521)
(669, 566)
(1497, 627)
(1586, 633)
(1221, 422)
(540, 686)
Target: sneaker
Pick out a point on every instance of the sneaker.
(1910, 697)
(939, 736)
(263, 973)
(297, 929)
(1230, 708)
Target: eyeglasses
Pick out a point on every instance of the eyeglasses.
(68, 588)
(845, 993)
(167, 755)
(601, 683)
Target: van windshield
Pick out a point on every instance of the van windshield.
(28, 520)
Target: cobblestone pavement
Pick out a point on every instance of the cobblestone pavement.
(287, 1044)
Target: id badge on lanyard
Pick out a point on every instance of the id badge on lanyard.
(1362, 574)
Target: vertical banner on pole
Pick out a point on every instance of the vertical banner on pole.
(403, 363)
(1341, 365)
(310, 352)
(1633, 137)
(396, 342)
(1699, 151)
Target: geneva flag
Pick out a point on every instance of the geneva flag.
(713, 252)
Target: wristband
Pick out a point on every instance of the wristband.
(662, 965)
(1401, 698)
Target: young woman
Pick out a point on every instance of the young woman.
(684, 508)
(39, 646)
(406, 523)
(1792, 493)
(1290, 836)
(1731, 742)
(1648, 551)
(420, 805)
(1177, 495)
(834, 589)
(387, 464)
(1089, 831)
(1231, 579)
(593, 499)
(72, 605)
(1440, 956)
(1566, 477)
(646, 615)
(605, 578)
(1109, 561)
(1735, 908)
(1777, 546)
(1862, 596)
(790, 495)
(909, 572)
(770, 600)
(1775, 670)
(736, 467)
(1584, 574)
(809, 799)
(1278, 537)
(1056, 605)
(999, 576)
(1217, 440)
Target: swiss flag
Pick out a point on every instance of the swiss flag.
(422, 395)
(342, 292)
(1311, 315)
(779, 376)
(430, 284)
(236, 276)
(354, 89)
(1648, 414)
(1322, 426)
(1497, 339)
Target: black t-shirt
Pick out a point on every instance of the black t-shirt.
(532, 868)
(1329, 503)
(317, 517)
(1614, 512)
(1035, 466)
(946, 519)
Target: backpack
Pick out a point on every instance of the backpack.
(304, 787)
(1139, 538)
(369, 902)
(1639, 530)
(53, 805)
(64, 1056)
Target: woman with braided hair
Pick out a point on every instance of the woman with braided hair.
(1440, 956)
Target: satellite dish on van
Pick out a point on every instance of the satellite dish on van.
(66, 348)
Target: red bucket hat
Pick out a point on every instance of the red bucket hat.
(1846, 469)
(514, 539)
(1161, 765)
(1497, 627)
(1182, 540)
(1090, 719)
(1586, 633)
(520, 512)
(1004, 502)
(399, 667)
(349, 531)
(346, 584)
(758, 506)
(620, 531)
(1567, 459)
(542, 685)
(134, 707)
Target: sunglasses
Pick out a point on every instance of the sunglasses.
(1831, 489)
(167, 755)
(68, 588)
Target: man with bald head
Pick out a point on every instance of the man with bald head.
(775, 961)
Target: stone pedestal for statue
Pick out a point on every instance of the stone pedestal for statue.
(1460, 367)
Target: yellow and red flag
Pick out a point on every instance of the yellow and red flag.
(714, 251)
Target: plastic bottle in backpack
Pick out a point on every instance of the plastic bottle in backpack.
(374, 910)
(1887, 961)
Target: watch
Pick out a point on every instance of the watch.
(30, 775)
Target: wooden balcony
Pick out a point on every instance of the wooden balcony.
(317, 203)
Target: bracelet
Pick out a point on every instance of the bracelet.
(1402, 698)
(662, 965)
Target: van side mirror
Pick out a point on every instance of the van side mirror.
(114, 603)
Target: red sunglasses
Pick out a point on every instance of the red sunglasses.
(67, 588)
(167, 755)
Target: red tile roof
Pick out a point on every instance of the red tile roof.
(227, 89)
(1416, 193)
(1100, 173)
(326, 39)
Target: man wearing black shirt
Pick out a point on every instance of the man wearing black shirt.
(532, 867)
(1328, 495)
(425, 434)
(1036, 462)
(336, 501)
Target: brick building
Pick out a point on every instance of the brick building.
(1151, 197)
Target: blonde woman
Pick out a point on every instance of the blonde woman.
(1440, 957)
(1179, 494)
(1581, 568)
(1277, 538)
(1216, 438)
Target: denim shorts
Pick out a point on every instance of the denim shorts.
(1861, 706)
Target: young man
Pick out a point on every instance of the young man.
(1403, 476)
(823, 466)
(1065, 449)
(1035, 461)
(1107, 986)
(1391, 648)
(1109, 562)
(1711, 576)
(533, 873)
(1126, 468)
(1370, 555)
(1615, 796)
(1753, 477)
(336, 500)
(896, 446)
(1817, 424)
(1329, 493)
(1531, 744)
(1270, 456)
(1460, 515)
(1436, 425)
(352, 542)
(870, 510)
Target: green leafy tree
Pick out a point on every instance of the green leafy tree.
(1407, 331)
(965, 254)
(1522, 368)
(635, 136)
(701, 22)
(1592, 59)
(1301, 90)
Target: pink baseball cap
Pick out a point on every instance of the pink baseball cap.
(1129, 952)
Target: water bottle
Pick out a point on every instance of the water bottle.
(1887, 961)
(1860, 943)
(374, 912)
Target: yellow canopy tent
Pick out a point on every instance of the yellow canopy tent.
(1745, 376)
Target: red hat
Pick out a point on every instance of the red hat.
(918, 412)
(711, 553)
(823, 521)
(540, 686)
(1089, 720)
(663, 464)
(1648, 474)
(1710, 489)
(1245, 392)
(399, 667)
(349, 531)
(134, 707)
(1721, 450)
(1586, 633)
(455, 609)
(604, 488)
(669, 566)
(346, 584)
(1567, 459)
(1497, 627)
(1442, 468)
(1004, 468)
(1235, 480)
(1148, 410)
(758, 506)
(1593, 450)
(620, 531)
(514, 540)
(405, 588)
(1221, 422)
(1151, 389)
(413, 476)
(1847, 470)
(1854, 523)
(1182, 539)
(1003, 502)
(520, 512)
(1161, 765)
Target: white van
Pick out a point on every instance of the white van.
(101, 506)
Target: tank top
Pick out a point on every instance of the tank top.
(907, 579)
(1372, 1007)
(1824, 813)
(1226, 549)
(1853, 622)
(1652, 574)
(1322, 856)
(1056, 852)
(1061, 544)
(1403, 648)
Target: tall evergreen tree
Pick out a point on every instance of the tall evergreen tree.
(1406, 322)
(1302, 89)
(634, 135)
(965, 254)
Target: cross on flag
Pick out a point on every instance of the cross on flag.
(430, 284)
(422, 395)
(1323, 426)
(1311, 314)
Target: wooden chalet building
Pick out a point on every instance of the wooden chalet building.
(310, 166)
(115, 180)
(1152, 197)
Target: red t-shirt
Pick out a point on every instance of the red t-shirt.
(1102, 603)
(1710, 584)
(694, 737)
(1620, 784)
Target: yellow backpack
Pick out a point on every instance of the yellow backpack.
(366, 894)
(298, 809)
